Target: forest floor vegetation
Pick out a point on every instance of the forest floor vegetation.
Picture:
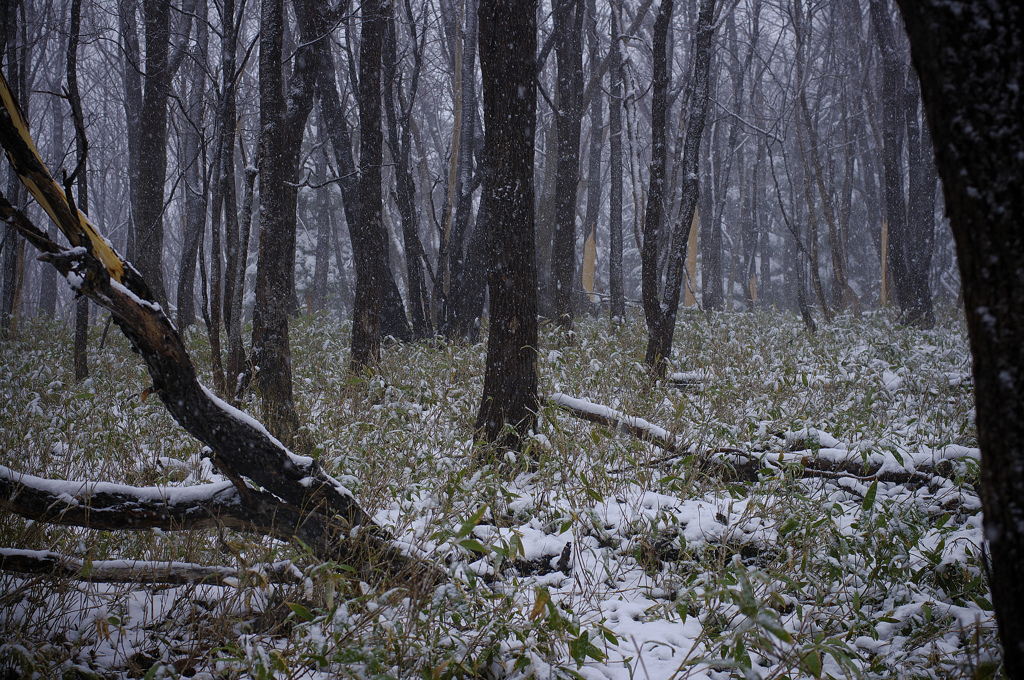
(853, 549)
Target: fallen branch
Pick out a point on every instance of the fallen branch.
(327, 511)
(620, 422)
(742, 465)
(137, 571)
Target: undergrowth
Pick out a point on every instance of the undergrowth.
(595, 555)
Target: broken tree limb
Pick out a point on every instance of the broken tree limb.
(137, 571)
(620, 422)
(327, 511)
(747, 466)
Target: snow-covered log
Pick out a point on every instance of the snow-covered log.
(631, 425)
(137, 571)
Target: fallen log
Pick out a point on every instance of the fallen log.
(45, 562)
(742, 465)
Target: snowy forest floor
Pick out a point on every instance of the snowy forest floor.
(854, 551)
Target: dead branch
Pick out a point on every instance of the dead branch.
(738, 464)
(620, 422)
(49, 563)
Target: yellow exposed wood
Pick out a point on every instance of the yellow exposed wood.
(690, 299)
(589, 262)
(51, 197)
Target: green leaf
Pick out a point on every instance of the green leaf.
(474, 545)
(982, 602)
(468, 526)
(543, 597)
(772, 625)
(788, 526)
(300, 611)
(869, 497)
(812, 662)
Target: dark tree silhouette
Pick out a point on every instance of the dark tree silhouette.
(508, 45)
(970, 60)
(369, 230)
(568, 36)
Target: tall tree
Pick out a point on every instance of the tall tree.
(369, 229)
(508, 46)
(392, 319)
(568, 42)
(594, 184)
(281, 125)
(15, 51)
(661, 307)
(893, 135)
(80, 175)
(194, 184)
(970, 60)
(615, 283)
(400, 143)
(161, 63)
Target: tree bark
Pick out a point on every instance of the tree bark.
(893, 126)
(400, 143)
(81, 174)
(508, 45)
(277, 250)
(594, 184)
(970, 60)
(152, 152)
(615, 283)
(661, 310)
(369, 230)
(393, 321)
(195, 186)
(920, 236)
(651, 271)
(568, 29)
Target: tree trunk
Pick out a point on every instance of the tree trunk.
(970, 61)
(228, 111)
(649, 253)
(371, 251)
(893, 125)
(276, 254)
(80, 174)
(13, 246)
(615, 283)
(594, 184)
(392, 316)
(195, 186)
(324, 229)
(400, 143)
(568, 28)
(149, 224)
(131, 75)
(508, 44)
(920, 236)
(661, 310)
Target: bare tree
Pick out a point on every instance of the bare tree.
(282, 122)
(568, 43)
(508, 44)
(660, 307)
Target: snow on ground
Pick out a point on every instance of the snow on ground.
(856, 552)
